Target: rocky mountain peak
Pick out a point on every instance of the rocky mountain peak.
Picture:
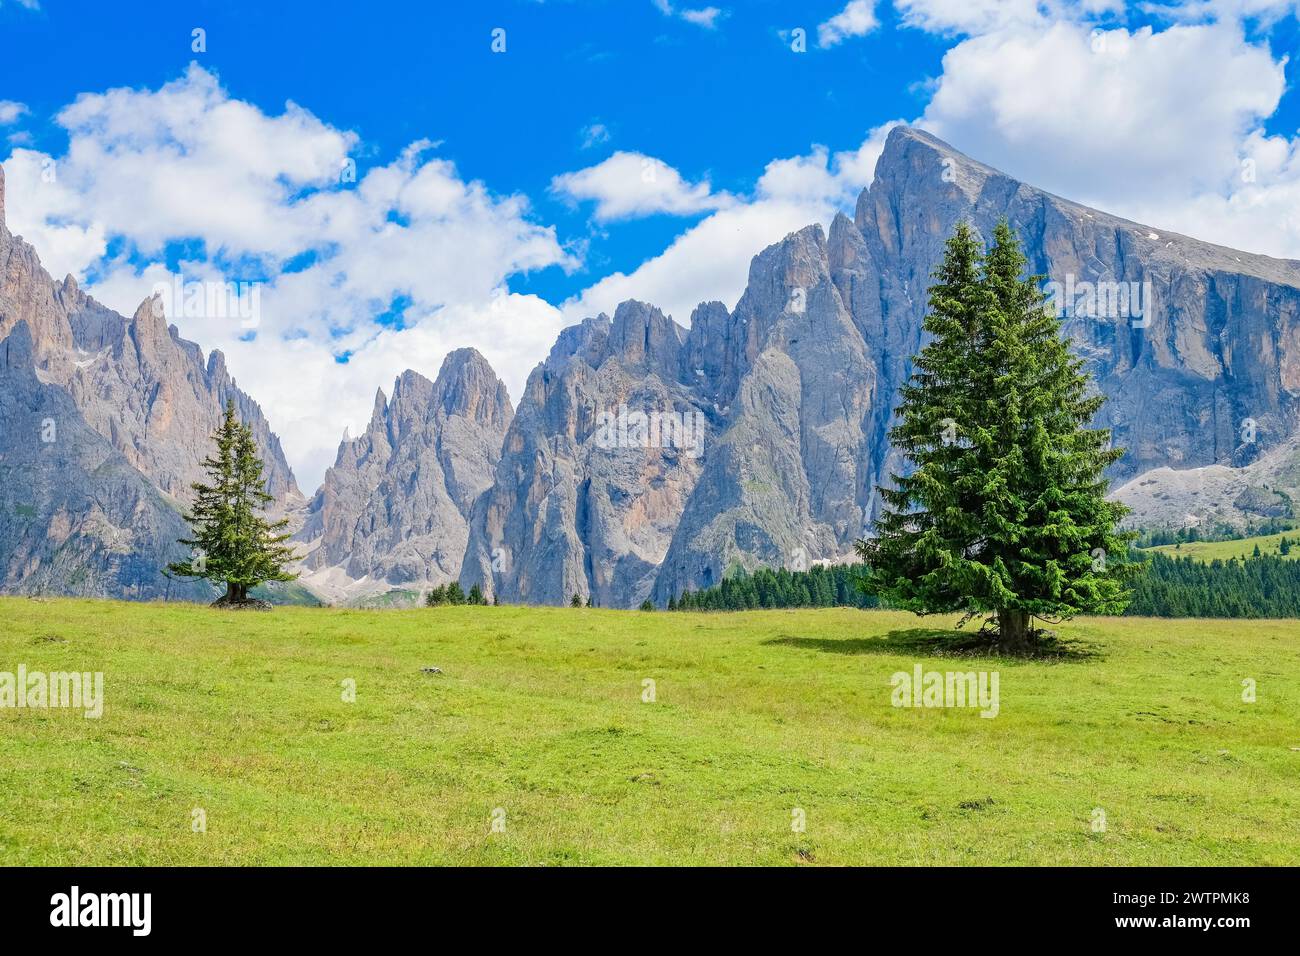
(587, 339)
(150, 310)
(798, 259)
(468, 386)
(641, 336)
(410, 385)
(216, 369)
(148, 328)
(783, 276)
(912, 154)
(379, 410)
(714, 351)
(393, 510)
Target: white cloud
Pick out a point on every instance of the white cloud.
(984, 16)
(595, 135)
(42, 209)
(966, 16)
(1197, 11)
(857, 19)
(10, 111)
(261, 195)
(188, 161)
(628, 185)
(1125, 120)
(706, 17)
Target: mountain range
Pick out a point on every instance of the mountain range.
(646, 457)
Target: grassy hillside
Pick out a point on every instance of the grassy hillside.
(1238, 548)
(286, 592)
(539, 712)
(388, 600)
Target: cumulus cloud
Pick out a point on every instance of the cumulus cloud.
(984, 16)
(706, 17)
(187, 160)
(594, 135)
(388, 267)
(629, 185)
(855, 20)
(1106, 113)
(42, 209)
(1195, 11)
(10, 111)
(966, 16)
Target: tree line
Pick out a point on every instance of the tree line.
(1265, 586)
(1220, 531)
(1164, 586)
(820, 586)
(453, 594)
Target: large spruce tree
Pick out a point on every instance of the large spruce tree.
(233, 542)
(1005, 511)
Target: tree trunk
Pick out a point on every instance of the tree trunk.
(1015, 631)
(232, 591)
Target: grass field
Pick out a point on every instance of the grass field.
(1237, 548)
(538, 713)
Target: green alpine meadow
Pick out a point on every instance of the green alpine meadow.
(557, 736)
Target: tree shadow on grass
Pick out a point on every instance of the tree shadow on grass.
(935, 642)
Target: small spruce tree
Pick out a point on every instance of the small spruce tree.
(233, 542)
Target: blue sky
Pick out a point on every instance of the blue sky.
(498, 196)
(714, 102)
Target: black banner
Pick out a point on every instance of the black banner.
(333, 906)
